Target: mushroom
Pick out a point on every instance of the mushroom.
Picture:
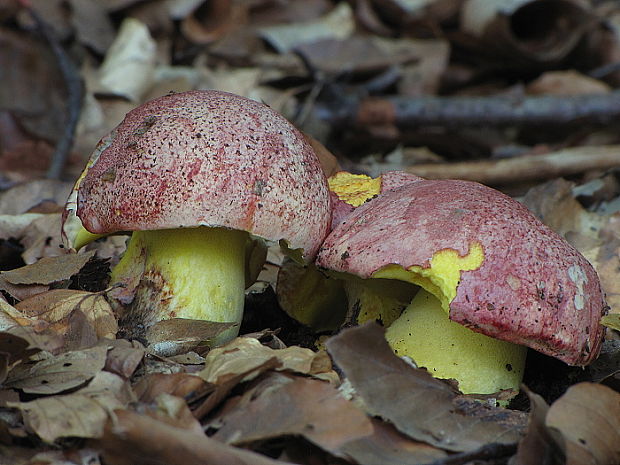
(196, 176)
(505, 280)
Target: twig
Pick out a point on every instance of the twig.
(75, 92)
(526, 168)
(496, 111)
(486, 452)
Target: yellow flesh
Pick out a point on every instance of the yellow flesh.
(196, 273)
(448, 350)
(84, 237)
(443, 276)
(354, 189)
(480, 364)
(381, 300)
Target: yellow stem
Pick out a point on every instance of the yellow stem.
(195, 273)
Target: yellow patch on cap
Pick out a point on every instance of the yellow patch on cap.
(354, 189)
(443, 275)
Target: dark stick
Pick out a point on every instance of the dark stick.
(496, 111)
(75, 92)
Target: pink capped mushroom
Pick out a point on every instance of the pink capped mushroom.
(505, 280)
(197, 176)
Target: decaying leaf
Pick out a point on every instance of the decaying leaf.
(337, 24)
(124, 357)
(416, 403)
(174, 411)
(23, 197)
(42, 238)
(20, 341)
(57, 306)
(223, 17)
(587, 417)
(607, 262)
(538, 446)
(134, 439)
(227, 382)
(127, 69)
(282, 405)
(358, 54)
(387, 446)
(13, 226)
(59, 373)
(48, 270)
(27, 281)
(179, 335)
(81, 414)
(182, 385)
(244, 354)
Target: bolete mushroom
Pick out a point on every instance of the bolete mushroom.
(196, 176)
(505, 280)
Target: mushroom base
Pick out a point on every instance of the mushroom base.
(480, 364)
(194, 273)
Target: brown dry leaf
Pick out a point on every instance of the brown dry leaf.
(134, 439)
(23, 197)
(22, 291)
(13, 336)
(12, 226)
(42, 238)
(48, 270)
(124, 357)
(282, 405)
(244, 354)
(357, 54)
(425, 76)
(57, 306)
(425, 409)
(82, 414)
(227, 382)
(555, 205)
(127, 70)
(174, 411)
(222, 18)
(588, 418)
(183, 385)
(59, 373)
(180, 335)
(337, 24)
(92, 24)
(538, 446)
(607, 262)
(82, 456)
(10, 317)
(32, 90)
(386, 446)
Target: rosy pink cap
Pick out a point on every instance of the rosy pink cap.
(207, 158)
(533, 288)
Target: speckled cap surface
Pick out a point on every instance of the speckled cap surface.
(532, 288)
(207, 158)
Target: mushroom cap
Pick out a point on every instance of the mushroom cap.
(207, 158)
(366, 189)
(532, 288)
